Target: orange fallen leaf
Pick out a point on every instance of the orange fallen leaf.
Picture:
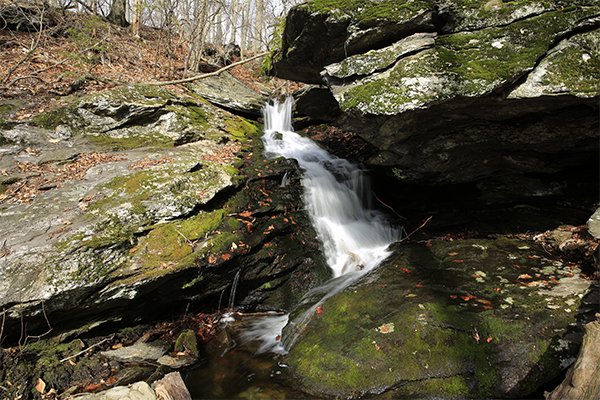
(453, 296)
(278, 337)
(452, 254)
(418, 285)
(487, 307)
(457, 261)
(524, 276)
(489, 339)
(40, 386)
(72, 363)
(406, 271)
(319, 310)
(226, 256)
(475, 276)
(497, 289)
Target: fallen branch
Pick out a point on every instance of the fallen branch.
(217, 72)
(89, 348)
(410, 234)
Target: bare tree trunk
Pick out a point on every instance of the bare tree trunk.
(219, 29)
(135, 20)
(234, 20)
(118, 13)
(259, 25)
(244, 41)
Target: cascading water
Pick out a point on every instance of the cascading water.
(354, 236)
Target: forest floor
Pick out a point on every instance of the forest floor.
(77, 55)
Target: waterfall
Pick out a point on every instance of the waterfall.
(337, 195)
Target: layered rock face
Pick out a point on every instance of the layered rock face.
(130, 203)
(450, 92)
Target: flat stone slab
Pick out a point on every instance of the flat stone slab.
(138, 352)
(137, 391)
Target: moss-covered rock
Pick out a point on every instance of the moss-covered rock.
(497, 74)
(467, 319)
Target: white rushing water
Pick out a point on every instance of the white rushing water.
(337, 196)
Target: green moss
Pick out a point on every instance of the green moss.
(396, 10)
(65, 115)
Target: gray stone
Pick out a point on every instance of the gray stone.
(226, 91)
(136, 391)
(138, 352)
(593, 224)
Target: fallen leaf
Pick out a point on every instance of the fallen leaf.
(226, 256)
(524, 276)
(411, 295)
(458, 261)
(418, 285)
(489, 339)
(406, 271)
(40, 386)
(453, 296)
(452, 254)
(319, 310)
(73, 363)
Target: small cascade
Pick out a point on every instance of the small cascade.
(233, 289)
(354, 236)
(337, 193)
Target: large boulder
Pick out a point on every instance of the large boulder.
(117, 214)
(452, 92)
(443, 319)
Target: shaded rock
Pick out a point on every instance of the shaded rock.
(316, 102)
(454, 92)
(137, 391)
(226, 91)
(187, 342)
(138, 352)
(454, 319)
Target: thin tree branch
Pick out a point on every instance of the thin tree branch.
(89, 348)
(410, 234)
(217, 72)
(379, 200)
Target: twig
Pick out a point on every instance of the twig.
(379, 200)
(217, 72)
(22, 346)
(187, 241)
(410, 234)
(3, 319)
(89, 348)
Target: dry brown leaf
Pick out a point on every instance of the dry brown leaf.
(40, 386)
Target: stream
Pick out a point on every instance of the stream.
(354, 239)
